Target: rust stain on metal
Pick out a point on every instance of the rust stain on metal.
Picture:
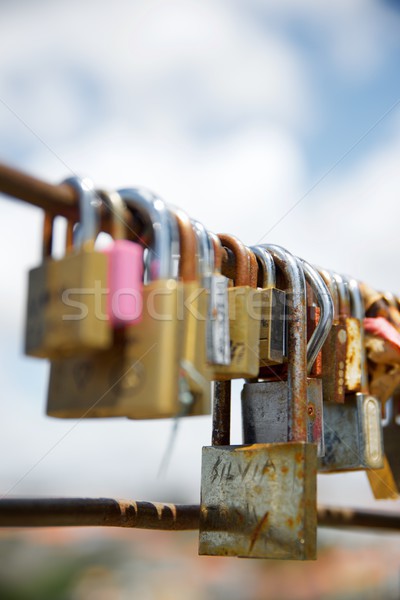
(257, 530)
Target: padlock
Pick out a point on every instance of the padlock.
(353, 430)
(391, 438)
(264, 403)
(260, 500)
(140, 377)
(218, 336)
(244, 317)
(334, 349)
(385, 482)
(195, 373)
(66, 297)
(352, 367)
(125, 267)
(272, 331)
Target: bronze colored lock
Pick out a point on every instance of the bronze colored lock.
(353, 430)
(353, 366)
(66, 298)
(140, 376)
(244, 317)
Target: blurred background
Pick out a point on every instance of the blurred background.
(277, 121)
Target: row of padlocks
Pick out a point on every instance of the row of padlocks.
(142, 328)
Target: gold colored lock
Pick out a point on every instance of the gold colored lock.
(244, 317)
(195, 373)
(139, 377)
(66, 299)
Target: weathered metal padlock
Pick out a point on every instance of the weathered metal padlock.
(385, 482)
(218, 336)
(352, 368)
(264, 403)
(260, 500)
(66, 298)
(124, 269)
(353, 430)
(140, 377)
(273, 330)
(334, 349)
(391, 438)
(244, 318)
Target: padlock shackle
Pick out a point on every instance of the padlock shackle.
(268, 269)
(333, 289)
(117, 209)
(164, 229)
(89, 211)
(358, 311)
(344, 296)
(325, 304)
(253, 269)
(187, 246)
(205, 252)
(241, 256)
(218, 252)
(297, 335)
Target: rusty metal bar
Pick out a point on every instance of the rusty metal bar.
(62, 200)
(352, 517)
(221, 432)
(96, 512)
(107, 512)
(55, 199)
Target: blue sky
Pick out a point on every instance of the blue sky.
(230, 110)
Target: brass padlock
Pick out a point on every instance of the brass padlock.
(140, 377)
(260, 500)
(66, 311)
(264, 415)
(273, 330)
(244, 317)
(195, 373)
(334, 349)
(353, 430)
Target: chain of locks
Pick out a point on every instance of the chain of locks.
(142, 329)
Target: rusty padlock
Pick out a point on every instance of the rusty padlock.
(260, 500)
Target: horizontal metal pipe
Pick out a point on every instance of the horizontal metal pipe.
(107, 512)
(96, 512)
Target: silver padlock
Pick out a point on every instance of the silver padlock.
(273, 330)
(264, 403)
(260, 500)
(218, 350)
(353, 430)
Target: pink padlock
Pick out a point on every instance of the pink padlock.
(125, 268)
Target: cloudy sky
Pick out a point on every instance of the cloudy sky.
(277, 121)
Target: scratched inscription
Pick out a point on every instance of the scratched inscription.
(251, 471)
